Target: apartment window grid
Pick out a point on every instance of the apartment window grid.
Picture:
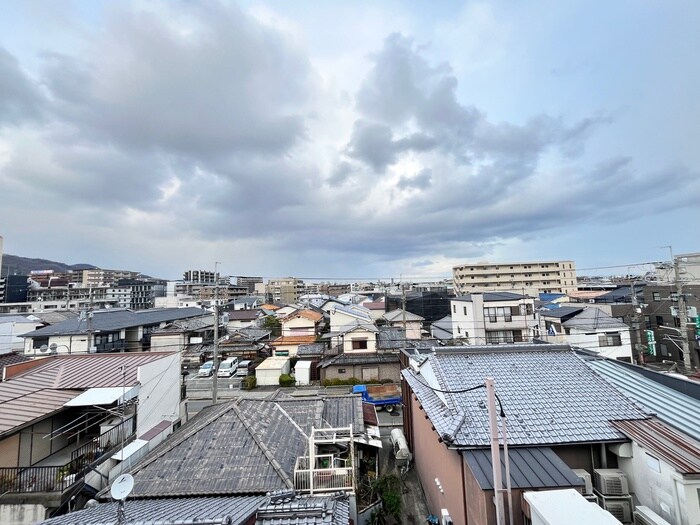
(504, 336)
(501, 312)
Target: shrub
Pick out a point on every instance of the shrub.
(287, 380)
(249, 382)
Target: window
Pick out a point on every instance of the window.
(656, 296)
(341, 370)
(500, 336)
(454, 308)
(490, 314)
(659, 320)
(359, 344)
(674, 297)
(610, 339)
(465, 310)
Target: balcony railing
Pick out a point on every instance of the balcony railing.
(324, 479)
(59, 478)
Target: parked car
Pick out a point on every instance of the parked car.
(206, 370)
(243, 368)
(228, 368)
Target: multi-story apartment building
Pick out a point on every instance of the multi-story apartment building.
(143, 292)
(94, 277)
(661, 316)
(248, 282)
(529, 278)
(199, 276)
(284, 290)
(493, 318)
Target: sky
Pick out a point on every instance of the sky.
(349, 140)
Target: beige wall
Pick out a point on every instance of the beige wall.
(385, 371)
(9, 451)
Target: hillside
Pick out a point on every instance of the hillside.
(15, 265)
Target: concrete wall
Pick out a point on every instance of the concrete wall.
(9, 451)
(21, 514)
(657, 485)
(159, 396)
(385, 370)
(168, 343)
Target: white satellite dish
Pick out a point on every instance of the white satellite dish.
(122, 487)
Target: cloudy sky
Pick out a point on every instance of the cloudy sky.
(348, 139)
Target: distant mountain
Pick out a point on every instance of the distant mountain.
(15, 265)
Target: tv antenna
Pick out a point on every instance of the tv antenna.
(120, 489)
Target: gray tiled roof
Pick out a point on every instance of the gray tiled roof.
(549, 395)
(311, 350)
(183, 511)
(391, 337)
(360, 359)
(288, 509)
(243, 447)
(530, 468)
(398, 315)
(115, 319)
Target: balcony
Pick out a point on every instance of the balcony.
(330, 474)
(55, 474)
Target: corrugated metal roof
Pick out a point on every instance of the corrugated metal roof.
(661, 440)
(594, 319)
(360, 359)
(561, 311)
(183, 511)
(530, 468)
(549, 395)
(53, 381)
(669, 405)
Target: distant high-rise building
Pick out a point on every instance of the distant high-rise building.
(284, 290)
(94, 277)
(199, 276)
(530, 278)
(248, 282)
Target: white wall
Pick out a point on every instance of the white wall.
(590, 341)
(74, 344)
(657, 485)
(269, 371)
(9, 332)
(159, 396)
(24, 514)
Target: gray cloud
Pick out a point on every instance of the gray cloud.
(420, 180)
(20, 99)
(227, 85)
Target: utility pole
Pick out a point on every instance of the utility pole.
(403, 308)
(89, 322)
(214, 382)
(635, 326)
(688, 358)
(495, 452)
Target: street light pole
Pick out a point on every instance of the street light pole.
(214, 382)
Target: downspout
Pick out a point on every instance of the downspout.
(464, 490)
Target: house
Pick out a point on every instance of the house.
(493, 318)
(12, 327)
(662, 463)
(64, 418)
(243, 318)
(442, 329)
(179, 334)
(589, 328)
(309, 448)
(112, 330)
(412, 324)
(559, 417)
(302, 322)
(313, 353)
(376, 309)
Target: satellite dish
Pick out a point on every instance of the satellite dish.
(43, 348)
(122, 487)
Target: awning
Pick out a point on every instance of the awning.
(130, 449)
(104, 396)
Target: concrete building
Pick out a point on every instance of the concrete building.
(249, 283)
(285, 290)
(530, 278)
(493, 318)
(94, 277)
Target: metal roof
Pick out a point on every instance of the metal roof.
(398, 315)
(183, 511)
(561, 311)
(391, 338)
(50, 382)
(661, 440)
(115, 319)
(549, 395)
(360, 359)
(530, 468)
(490, 297)
(669, 405)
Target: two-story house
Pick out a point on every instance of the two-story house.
(493, 318)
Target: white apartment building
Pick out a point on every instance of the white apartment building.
(528, 278)
(493, 318)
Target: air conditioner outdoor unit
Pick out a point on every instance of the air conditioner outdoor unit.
(645, 516)
(611, 482)
(445, 518)
(586, 477)
(621, 509)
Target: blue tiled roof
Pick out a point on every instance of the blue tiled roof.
(549, 394)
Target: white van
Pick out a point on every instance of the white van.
(228, 368)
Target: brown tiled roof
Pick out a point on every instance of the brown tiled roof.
(294, 340)
(270, 307)
(311, 315)
(36, 389)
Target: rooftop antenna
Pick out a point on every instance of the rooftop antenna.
(120, 490)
